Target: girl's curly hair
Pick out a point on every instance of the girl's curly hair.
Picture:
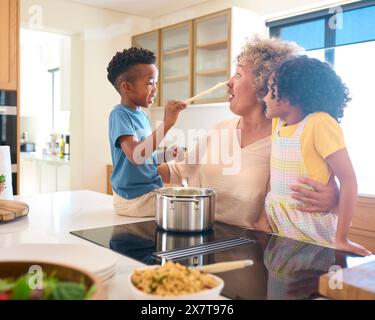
(311, 85)
(123, 61)
(264, 55)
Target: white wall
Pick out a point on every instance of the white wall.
(77, 141)
(96, 35)
(194, 118)
(69, 17)
(203, 9)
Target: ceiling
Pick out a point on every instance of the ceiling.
(143, 8)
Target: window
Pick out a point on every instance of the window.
(315, 30)
(359, 26)
(45, 85)
(346, 39)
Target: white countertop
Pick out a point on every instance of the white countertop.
(53, 215)
(42, 157)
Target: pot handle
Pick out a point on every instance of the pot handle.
(184, 200)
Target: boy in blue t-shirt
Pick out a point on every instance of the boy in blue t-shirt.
(134, 75)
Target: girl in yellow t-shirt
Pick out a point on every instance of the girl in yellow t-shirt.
(306, 99)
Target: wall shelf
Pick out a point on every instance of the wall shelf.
(176, 78)
(216, 45)
(174, 52)
(211, 72)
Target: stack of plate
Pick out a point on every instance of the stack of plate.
(95, 259)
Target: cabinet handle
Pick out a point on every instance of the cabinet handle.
(9, 111)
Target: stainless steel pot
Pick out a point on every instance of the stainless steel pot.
(185, 209)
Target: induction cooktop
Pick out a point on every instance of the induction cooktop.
(283, 268)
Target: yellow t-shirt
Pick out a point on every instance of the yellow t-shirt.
(321, 137)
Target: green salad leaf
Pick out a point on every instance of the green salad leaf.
(68, 291)
(6, 285)
(90, 292)
(21, 290)
(53, 289)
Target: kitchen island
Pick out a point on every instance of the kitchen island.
(283, 268)
(53, 215)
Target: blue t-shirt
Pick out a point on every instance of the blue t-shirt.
(128, 180)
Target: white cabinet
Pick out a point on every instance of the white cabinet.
(41, 176)
(47, 177)
(29, 177)
(63, 178)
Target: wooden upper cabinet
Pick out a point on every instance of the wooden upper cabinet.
(176, 62)
(150, 41)
(197, 54)
(9, 30)
(211, 55)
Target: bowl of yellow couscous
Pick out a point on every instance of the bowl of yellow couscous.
(174, 281)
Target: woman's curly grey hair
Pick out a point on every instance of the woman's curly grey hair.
(264, 56)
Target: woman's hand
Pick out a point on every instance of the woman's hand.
(323, 198)
(163, 171)
(347, 245)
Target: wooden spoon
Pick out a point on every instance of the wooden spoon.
(226, 266)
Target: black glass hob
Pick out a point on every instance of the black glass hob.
(283, 268)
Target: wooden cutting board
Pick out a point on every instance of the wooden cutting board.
(358, 283)
(11, 209)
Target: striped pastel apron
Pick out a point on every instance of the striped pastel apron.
(286, 166)
(289, 263)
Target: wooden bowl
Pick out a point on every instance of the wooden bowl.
(15, 269)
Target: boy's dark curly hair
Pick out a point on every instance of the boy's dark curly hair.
(311, 85)
(120, 65)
